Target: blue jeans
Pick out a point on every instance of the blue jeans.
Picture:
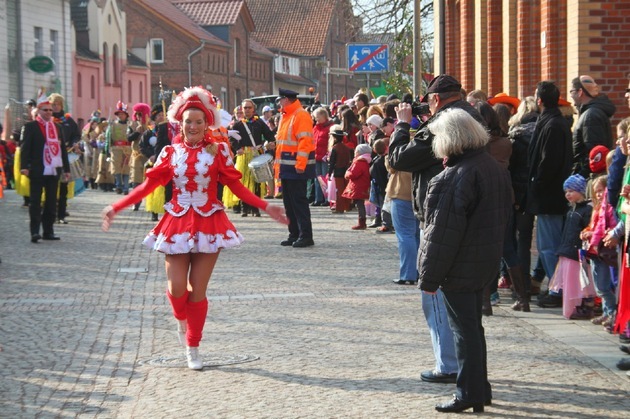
(464, 316)
(441, 333)
(548, 236)
(603, 284)
(407, 229)
(321, 168)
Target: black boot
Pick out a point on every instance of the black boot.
(518, 280)
(486, 307)
(377, 222)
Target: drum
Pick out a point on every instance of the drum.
(262, 168)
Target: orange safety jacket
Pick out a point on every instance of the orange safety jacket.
(295, 147)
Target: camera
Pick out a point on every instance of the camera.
(419, 108)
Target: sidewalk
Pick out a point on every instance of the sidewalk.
(319, 332)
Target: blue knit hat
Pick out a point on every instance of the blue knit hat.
(575, 183)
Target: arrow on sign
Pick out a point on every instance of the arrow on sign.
(368, 58)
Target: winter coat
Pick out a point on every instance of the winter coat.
(521, 136)
(339, 161)
(467, 208)
(321, 135)
(550, 157)
(358, 176)
(615, 176)
(592, 128)
(501, 149)
(416, 156)
(576, 220)
(379, 173)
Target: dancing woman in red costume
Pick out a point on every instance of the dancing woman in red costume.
(194, 228)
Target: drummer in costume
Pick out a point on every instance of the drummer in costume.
(139, 125)
(228, 198)
(152, 143)
(43, 159)
(195, 227)
(119, 148)
(253, 133)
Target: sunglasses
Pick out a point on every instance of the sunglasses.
(628, 90)
(46, 110)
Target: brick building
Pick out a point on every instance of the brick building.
(307, 36)
(104, 70)
(510, 45)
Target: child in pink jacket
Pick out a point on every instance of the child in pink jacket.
(358, 176)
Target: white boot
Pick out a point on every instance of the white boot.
(181, 332)
(193, 358)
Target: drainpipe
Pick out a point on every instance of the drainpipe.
(193, 52)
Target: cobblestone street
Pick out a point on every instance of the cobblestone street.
(86, 331)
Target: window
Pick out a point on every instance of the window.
(39, 41)
(54, 47)
(237, 56)
(92, 87)
(115, 64)
(105, 63)
(141, 93)
(157, 50)
(285, 65)
(79, 85)
(130, 99)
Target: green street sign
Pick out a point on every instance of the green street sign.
(41, 64)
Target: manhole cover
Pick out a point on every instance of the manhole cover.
(132, 270)
(209, 360)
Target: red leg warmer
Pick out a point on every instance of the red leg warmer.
(196, 313)
(178, 304)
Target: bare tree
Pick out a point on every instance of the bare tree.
(393, 19)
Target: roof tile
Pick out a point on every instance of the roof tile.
(211, 12)
(300, 26)
(169, 11)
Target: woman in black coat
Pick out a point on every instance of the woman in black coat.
(467, 208)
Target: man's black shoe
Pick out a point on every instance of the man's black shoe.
(303, 243)
(436, 377)
(624, 364)
(624, 348)
(456, 406)
(35, 238)
(550, 301)
(50, 237)
(288, 242)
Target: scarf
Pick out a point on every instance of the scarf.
(52, 148)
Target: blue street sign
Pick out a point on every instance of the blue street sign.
(368, 58)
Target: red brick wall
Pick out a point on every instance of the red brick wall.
(452, 38)
(467, 44)
(609, 64)
(495, 46)
(553, 23)
(528, 46)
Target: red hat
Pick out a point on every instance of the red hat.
(198, 98)
(504, 98)
(144, 109)
(597, 159)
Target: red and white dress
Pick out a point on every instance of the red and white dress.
(194, 221)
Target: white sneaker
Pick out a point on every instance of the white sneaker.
(193, 358)
(181, 332)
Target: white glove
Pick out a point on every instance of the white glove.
(234, 134)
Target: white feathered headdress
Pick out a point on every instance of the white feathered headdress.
(195, 97)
